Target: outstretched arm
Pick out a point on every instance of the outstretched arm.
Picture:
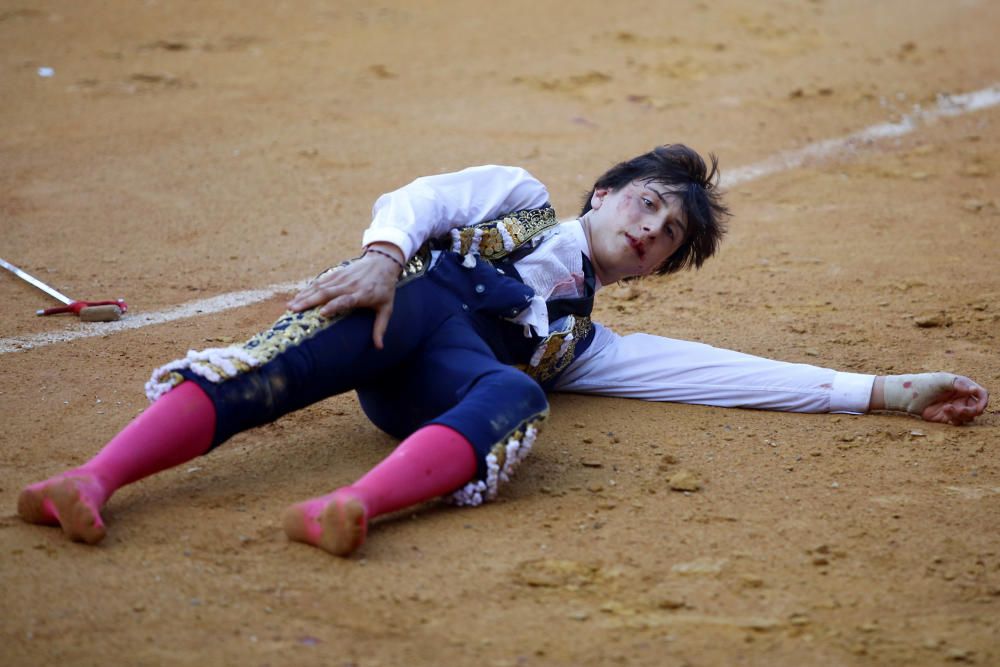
(654, 368)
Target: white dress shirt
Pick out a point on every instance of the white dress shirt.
(640, 366)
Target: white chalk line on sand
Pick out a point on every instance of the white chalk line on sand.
(215, 304)
(948, 105)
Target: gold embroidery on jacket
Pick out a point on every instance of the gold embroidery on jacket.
(555, 352)
(522, 227)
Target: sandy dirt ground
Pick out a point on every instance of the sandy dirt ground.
(185, 150)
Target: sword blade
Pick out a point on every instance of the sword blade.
(23, 275)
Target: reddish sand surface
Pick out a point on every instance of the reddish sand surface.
(186, 150)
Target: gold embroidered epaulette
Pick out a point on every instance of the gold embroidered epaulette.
(494, 239)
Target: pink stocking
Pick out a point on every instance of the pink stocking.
(176, 428)
(431, 462)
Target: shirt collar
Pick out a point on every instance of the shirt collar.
(575, 230)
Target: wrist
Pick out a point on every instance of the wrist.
(877, 400)
(387, 254)
(391, 249)
(913, 393)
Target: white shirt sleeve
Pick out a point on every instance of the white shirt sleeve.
(662, 369)
(431, 206)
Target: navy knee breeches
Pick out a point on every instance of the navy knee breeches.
(445, 361)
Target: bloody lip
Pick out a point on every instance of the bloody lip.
(637, 245)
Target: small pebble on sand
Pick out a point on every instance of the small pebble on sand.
(932, 321)
(684, 480)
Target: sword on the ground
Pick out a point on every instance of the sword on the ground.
(88, 311)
